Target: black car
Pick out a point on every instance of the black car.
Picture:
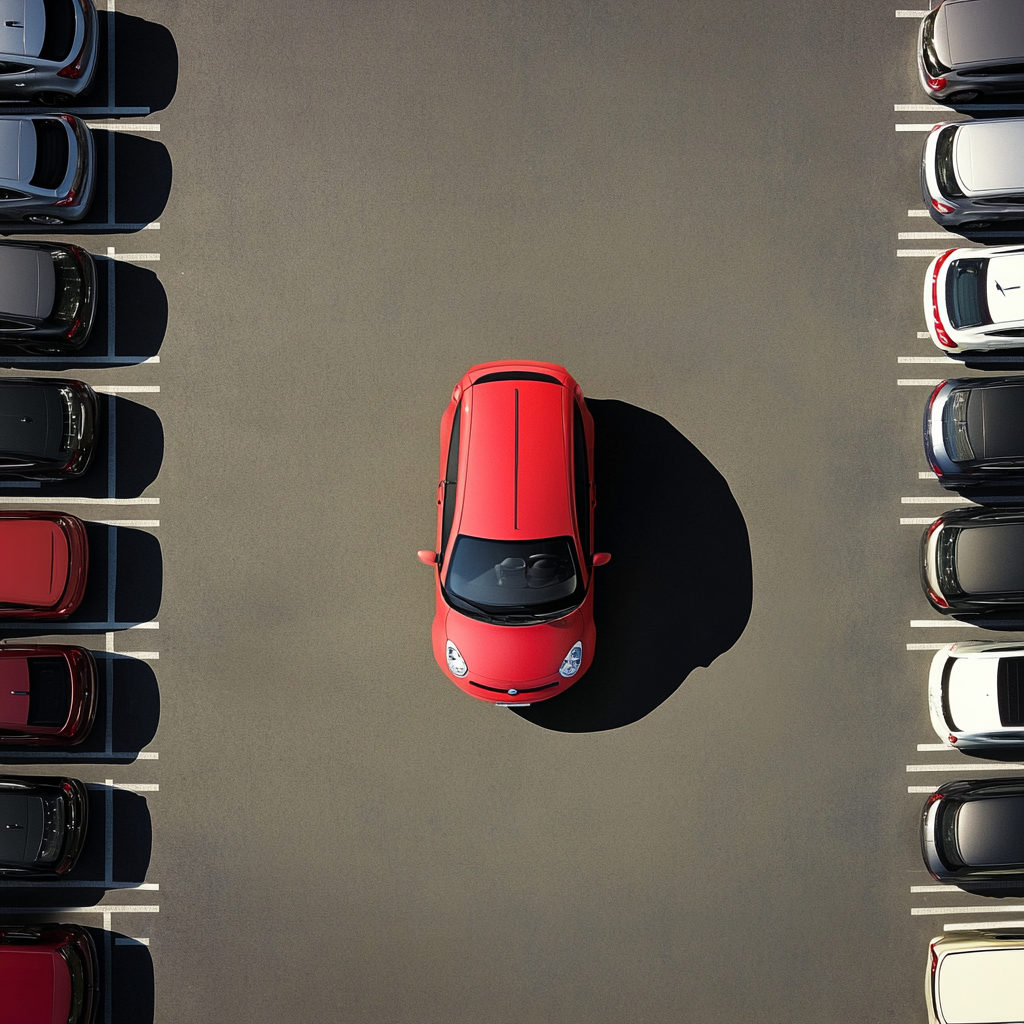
(42, 825)
(47, 427)
(969, 48)
(972, 562)
(972, 834)
(47, 297)
(974, 432)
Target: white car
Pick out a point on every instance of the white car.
(975, 978)
(974, 299)
(976, 695)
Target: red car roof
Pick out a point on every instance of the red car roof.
(36, 986)
(33, 562)
(517, 477)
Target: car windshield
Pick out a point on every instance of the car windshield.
(945, 559)
(944, 163)
(68, 287)
(965, 293)
(499, 578)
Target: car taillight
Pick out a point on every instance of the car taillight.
(936, 83)
(942, 207)
(75, 68)
(937, 795)
(952, 738)
(938, 598)
(936, 469)
(66, 786)
(935, 957)
(73, 329)
(940, 332)
(67, 200)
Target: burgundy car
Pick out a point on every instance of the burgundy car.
(48, 974)
(47, 695)
(44, 560)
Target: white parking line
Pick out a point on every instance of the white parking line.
(933, 746)
(968, 766)
(925, 647)
(921, 252)
(127, 389)
(973, 926)
(126, 908)
(935, 888)
(915, 521)
(920, 789)
(124, 126)
(132, 257)
(911, 14)
(923, 359)
(918, 213)
(921, 108)
(911, 382)
(152, 523)
(939, 911)
(918, 126)
(5, 500)
(923, 335)
(937, 500)
(140, 655)
(909, 235)
(926, 474)
(949, 623)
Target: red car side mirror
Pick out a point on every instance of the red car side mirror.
(427, 557)
(601, 558)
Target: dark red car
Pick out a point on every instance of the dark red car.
(44, 561)
(47, 695)
(515, 525)
(48, 974)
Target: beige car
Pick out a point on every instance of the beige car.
(975, 978)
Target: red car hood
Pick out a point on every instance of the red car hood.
(13, 693)
(518, 654)
(33, 562)
(36, 986)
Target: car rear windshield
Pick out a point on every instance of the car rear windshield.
(1010, 692)
(954, 427)
(944, 172)
(52, 150)
(945, 560)
(68, 287)
(966, 300)
(60, 29)
(49, 695)
(931, 61)
(503, 577)
(53, 830)
(947, 849)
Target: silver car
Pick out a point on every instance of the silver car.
(47, 49)
(970, 48)
(47, 168)
(972, 172)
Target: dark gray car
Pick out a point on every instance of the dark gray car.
(972, 834)
(42, 825)
(47, 296)
(970, 48)
(974, 432)
(972, 562)
(47, 427)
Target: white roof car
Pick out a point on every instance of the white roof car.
(974, 299)
(975, 978)
(976, 695)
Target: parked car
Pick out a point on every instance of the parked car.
(974, 432)
(514, 559)
(976, 695)
(972, 833)
(47, 695)
(47, 168)
(972, 172)
(971, 48)
(47, 427)
(972, 562)
(44, 562)
(49, 974)
(47, 49)
(974, 299)
(975, 977)
(42, 825)
(47, 297)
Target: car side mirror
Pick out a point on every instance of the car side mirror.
(427, 557)
(601, 558)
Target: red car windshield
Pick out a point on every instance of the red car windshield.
(535, 577)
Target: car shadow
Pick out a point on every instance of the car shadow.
(1006, 754)
(129, 453)
(131, 828)
(133, 334)
(145, 64)
(123, 588)
(681, 567)
(131, 995)
(128, 697)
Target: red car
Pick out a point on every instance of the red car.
(47, 695)
(48, 974)
(515, 524)
(44, 560)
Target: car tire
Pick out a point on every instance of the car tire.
(963, 96)
(44, 218)
(54, 99)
